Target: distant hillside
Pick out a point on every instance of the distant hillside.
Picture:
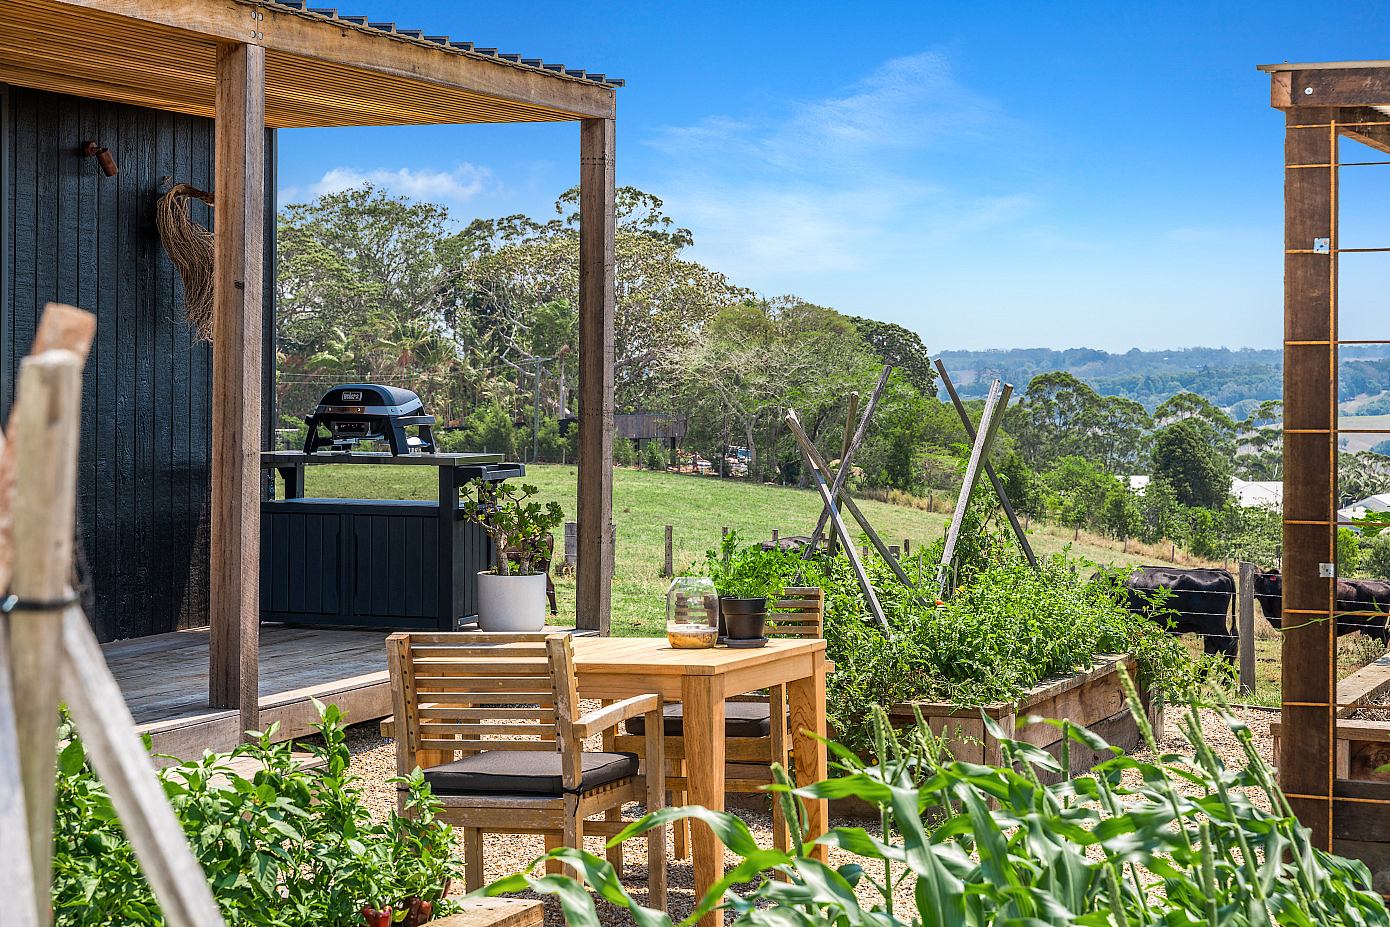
(1235, 380)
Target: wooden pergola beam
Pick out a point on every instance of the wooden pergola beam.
(278, 29)
(239, 259)
(597, 300)
(1310, 466)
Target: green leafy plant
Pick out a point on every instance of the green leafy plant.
(289, 847)
(517, 525)
(751, 572)
(1167, 840)
(1003, 630)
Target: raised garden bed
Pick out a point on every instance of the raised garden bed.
(1093, 698)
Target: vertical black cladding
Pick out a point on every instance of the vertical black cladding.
(69, 234)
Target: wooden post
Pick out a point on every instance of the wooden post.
(1305, 760)
(233, 587)
(1245, 627)
(668, 565)
(16, 868)
(594, 582)
(571, 543)
(907, 547)
(850, 415)
(895, 552)
(48, 416)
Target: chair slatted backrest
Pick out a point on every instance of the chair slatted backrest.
(800, 612)
(462, 693)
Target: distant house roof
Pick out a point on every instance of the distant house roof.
(1250, 494)
(1265, 494)
(1380, 502)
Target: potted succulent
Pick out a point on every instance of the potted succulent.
(511, 596)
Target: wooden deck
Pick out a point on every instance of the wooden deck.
(165, 681)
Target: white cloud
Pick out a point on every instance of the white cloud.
(455, 186)
(842, 183)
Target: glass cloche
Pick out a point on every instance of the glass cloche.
(692, 612)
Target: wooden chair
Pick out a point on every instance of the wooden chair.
(752, 743)
(493, 721)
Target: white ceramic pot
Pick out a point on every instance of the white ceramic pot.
(510, 604)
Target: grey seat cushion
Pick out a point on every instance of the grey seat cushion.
(741, 719)
(526, 772)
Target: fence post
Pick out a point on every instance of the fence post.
(776, 538)
(571, 543)
(1245, 627)
(907, 547)
(895, 551)
(668, 567)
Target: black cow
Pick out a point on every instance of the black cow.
(1353, 595)
(1197, 601)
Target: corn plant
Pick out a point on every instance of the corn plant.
(1166, 840)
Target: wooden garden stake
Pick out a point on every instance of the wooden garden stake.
(818, 462)
(844, 446)
(997, 400)
(46, 420)
(842, 475)
(994, 481)
(808, 450)
(48, 651)
(16, 870)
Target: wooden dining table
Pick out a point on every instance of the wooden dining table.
(618, 667)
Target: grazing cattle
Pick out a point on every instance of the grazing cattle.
(1353, 595)
(1197, 601)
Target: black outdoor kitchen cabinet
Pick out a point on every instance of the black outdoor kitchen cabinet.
(372, 562)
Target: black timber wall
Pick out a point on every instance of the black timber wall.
(70, 234)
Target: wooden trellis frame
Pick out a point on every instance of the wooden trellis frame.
(1323, 104)
(49, 654)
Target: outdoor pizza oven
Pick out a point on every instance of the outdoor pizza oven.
(356, 413)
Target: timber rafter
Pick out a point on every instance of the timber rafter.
(320, 71)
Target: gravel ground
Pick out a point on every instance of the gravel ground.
(374, 760)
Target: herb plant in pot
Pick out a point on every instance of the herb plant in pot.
(746, 579)
(511, 596)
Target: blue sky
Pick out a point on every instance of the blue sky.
(990, 175)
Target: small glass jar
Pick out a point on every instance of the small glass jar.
(692, 612)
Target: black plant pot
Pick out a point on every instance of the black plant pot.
(743, 619)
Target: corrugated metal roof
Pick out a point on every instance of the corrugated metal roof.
(416, 35)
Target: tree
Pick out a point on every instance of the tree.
(359, 292)
(1059, 416)
(1362, 474)
(1026, 492)
(1185, 406)
(1123, 435)
(1261, 442)
(1119, 516)
(1078, 491)
(901, 347)
(1184, 457)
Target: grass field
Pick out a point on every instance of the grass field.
(697, 508)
